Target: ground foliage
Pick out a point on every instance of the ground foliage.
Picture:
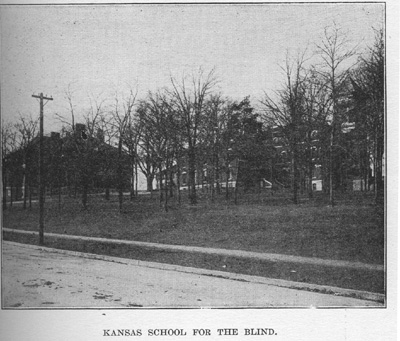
(353, 230)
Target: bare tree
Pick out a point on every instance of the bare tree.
(101, 128)
(316, 103)
(26, 127)
(89, 145)
(146, 154)
(8, 145)
(122, 113)
(68, 96)
(336, 57)
(132, 136)
(213, 127)
(368, 95)
(188, 99)
(286, 112)
(159, 125)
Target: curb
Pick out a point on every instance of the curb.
(322, 289)
(273, 257)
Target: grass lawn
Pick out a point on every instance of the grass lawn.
(352, 230)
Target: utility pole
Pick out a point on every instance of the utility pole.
(41, 178)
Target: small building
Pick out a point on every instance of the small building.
(317, 185)
(359, 185)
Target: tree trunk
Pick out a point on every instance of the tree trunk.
(84, 195)
(160, 184)
(331, 197)
(25, 191)
(85, 185)
(16, 191)
(171, 183)
(59, 191)
(236, 192)
(310, 176)
(11, 194)
(227, 180)
(30, 196)
(179, 182)
(212, 182)
(120, 175)
(310, 163)
(75, 188)
(295, 175)
(218, 188)
(379, 180)
(132, 189)
(192, 176)
(149, 180)
(166, 188)
(4, 188)
(136, 178)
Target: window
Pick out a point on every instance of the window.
(184, 178)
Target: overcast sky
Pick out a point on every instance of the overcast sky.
(101, 49)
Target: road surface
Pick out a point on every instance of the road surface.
(41, 278)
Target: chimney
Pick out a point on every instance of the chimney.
(80, 131)
(100, 135)
(79, 127)
(54, 135)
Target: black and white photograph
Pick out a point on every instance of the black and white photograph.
(178, 157)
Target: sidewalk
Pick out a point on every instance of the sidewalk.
(46, 277)
(238, 254)
(222, 252)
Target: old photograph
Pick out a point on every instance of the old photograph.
(194, 156)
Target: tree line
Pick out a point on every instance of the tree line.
(328, 113)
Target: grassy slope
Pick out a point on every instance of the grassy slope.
(353, 230)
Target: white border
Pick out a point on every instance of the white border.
(290, 324)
